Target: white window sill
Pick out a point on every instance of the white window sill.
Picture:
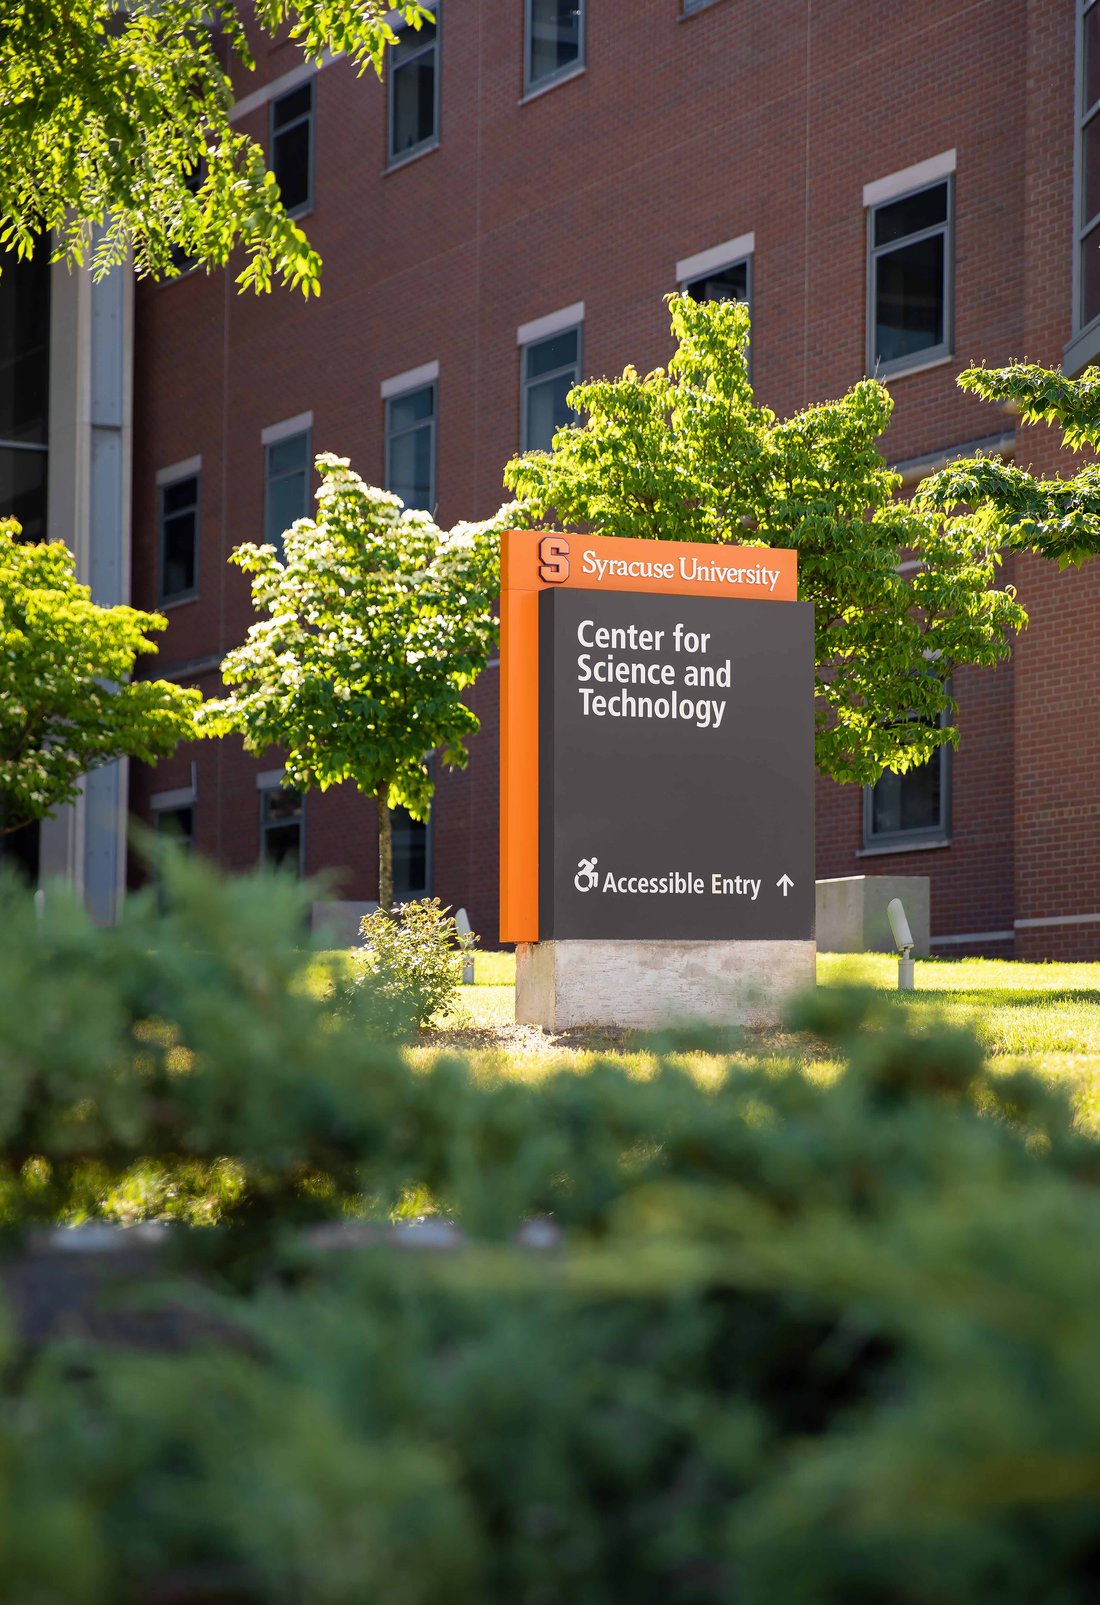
(552, 83)
(409, 157)
(704, 5)
(882, 849)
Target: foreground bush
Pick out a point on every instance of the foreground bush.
(797, 1345)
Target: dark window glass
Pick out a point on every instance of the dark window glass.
(192, 181)
(410, 856)
(1090, 275)
(903, 804)
(414, 407)
(413, 74)
(410, 447)
(551, 368)
(724, 284)
(913, 213)
(909, 305)
(179, 538)
(1090, 158)
(910, 278)
(288, 108)
(286, 488)
(23, 489)
(292, 147)
(547, 356)
(19, 851)
(1092, 57)
(25, 348)
(553, 38)
(177, 825)
(281, 821)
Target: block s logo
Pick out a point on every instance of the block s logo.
(554, 559)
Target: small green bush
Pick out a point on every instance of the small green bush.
(413, 957)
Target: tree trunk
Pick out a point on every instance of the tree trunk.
(385, 851)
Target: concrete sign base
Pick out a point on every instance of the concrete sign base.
(648, 985)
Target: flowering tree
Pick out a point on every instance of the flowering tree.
(375, 622)
(67, 702)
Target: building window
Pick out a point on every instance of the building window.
(910, 809)
(721, 284)
(551, 367)
(724, 273)
(24, 391)
(292, 147)
(179, 537)
(555, 41)
(410, 445)
(282, 828)
(909, 278)
(1088, 167)
(286, 482)
(414, 90)
(193, 181)
(177, 825)
(411, 856)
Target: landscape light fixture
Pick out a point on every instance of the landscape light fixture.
(903, 941)
(464, 928)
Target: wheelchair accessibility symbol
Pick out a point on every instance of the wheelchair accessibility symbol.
(587, 877)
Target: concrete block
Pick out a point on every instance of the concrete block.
(851, 913)
(337, 923)
(646, 985)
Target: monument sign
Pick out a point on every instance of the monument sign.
(657, 765)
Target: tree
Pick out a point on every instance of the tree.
(67, 703)
(118, 117)
(685, 454)
(376, 622)
(1055, 518)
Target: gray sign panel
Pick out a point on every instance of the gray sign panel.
(676, 777)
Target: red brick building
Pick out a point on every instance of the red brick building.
(888, 185)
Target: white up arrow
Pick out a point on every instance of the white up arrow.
(786, 883)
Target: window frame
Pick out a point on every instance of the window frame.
(927, 356)
(165, 480)
(413, 895)
(424, 378)
(1083, 346)
(396, 158)
(900, 841)
(266, 784)
(550, 332)
(535, 86)
(309, 117)
(277, 435)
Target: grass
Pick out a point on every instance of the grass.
(1044, 1015)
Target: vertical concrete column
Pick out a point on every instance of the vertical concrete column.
(88, 507)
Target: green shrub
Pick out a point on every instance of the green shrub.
(798, 1344)
(413, 956)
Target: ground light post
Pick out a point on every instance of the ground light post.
(903, 941)
(657, 842)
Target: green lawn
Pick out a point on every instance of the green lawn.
(1046, 1015)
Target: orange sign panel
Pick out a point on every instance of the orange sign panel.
(532, 561)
